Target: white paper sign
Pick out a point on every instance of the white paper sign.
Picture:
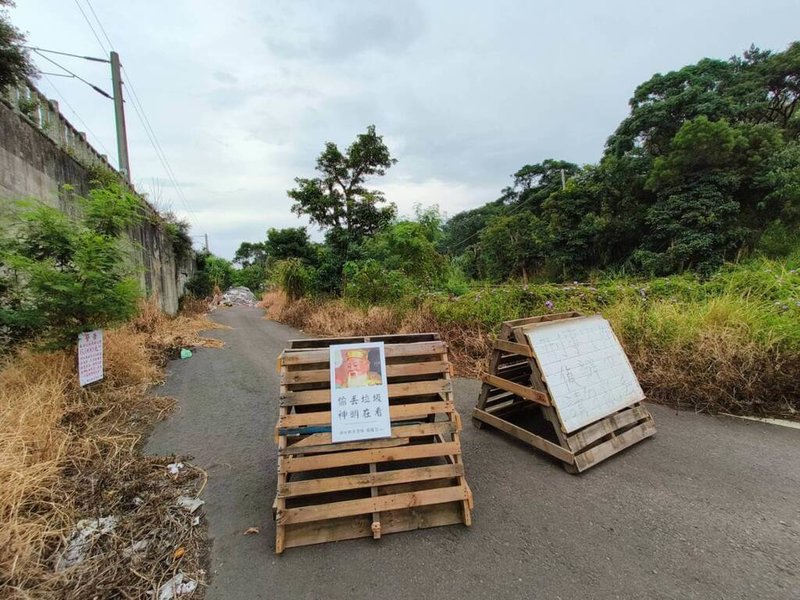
(359, 394)
(90, 357)
(585, 368)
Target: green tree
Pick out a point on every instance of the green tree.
(250, 253)
(61, 277)
(338, 199)
(406, 246)
(290, 242)
(513, 246)
(15, 64)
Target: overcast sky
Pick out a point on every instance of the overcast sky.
(243, 94)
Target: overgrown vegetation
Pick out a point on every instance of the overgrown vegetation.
(15, 63)
(69, 453)
(62, 275)
(687, 230)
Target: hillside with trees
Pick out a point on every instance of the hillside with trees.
(685, 235)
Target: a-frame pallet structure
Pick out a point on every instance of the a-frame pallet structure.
(515, 399)
(414, 479)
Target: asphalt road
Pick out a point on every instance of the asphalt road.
(708, 508)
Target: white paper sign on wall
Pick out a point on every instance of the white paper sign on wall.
(359, 393)
(90, 357)
(586, 369)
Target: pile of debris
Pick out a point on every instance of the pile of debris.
(238, 296)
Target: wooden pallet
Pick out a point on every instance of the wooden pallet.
(415, 479)
(515, 399)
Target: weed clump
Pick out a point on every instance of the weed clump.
(69, 453)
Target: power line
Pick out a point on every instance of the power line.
(508, 214)
(93, 58)
(66, 102)
(140, 112)
(103, 29)
(151, 135)
(89, 23)
(78, 77)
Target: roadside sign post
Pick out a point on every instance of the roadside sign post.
(90, 357)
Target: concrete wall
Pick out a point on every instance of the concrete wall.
(41, 151)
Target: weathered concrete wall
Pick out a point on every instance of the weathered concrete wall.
(36, 162)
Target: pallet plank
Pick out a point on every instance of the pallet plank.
(606, 426)
(346, 508)
(616, 444)
(399, 412)
(326, 485)
(292, 464)
(519, 390)
(396, 390)
(292, 357)
(525, 435)
(396, 370)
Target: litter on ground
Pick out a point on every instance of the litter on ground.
(238, 296)
(80, 542)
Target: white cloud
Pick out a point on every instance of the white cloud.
(244, 94)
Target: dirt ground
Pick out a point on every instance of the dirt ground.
(708, 508)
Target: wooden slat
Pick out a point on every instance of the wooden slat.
(524, 435)
(392, 338)
(617, 443)
(512, 347)
(396, 413)
(397, 370)
(351, 482)
(540, 319)
(322, 355)
(318, 532)
(341, 446)
(520, 390)
(292, 464)
(396, 390)
(608, 425)
(349, 508)
(399, 431)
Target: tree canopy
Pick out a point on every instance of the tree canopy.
(15, 63)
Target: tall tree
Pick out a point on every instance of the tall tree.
(290, 242)
(15, 63)
(339, 199)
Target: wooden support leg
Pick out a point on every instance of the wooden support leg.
(376, 516)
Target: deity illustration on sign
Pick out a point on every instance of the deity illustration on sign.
(356, 368)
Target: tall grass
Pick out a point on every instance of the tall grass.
(730, 343)
(68, 453)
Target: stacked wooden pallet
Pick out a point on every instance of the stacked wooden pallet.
(515, 398)
(413, 479)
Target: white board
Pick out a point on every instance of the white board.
(586, 370)
(90, 357)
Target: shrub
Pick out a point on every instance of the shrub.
(62, 278)
(293, 277)
(369, 282)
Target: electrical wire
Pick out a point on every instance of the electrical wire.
(78, 77)
(141, 114)
(162, 157)
(89, 23)
(77, 116)
(103, 29)
(92, 58)
(508, 214)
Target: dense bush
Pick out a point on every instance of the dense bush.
(61, 276)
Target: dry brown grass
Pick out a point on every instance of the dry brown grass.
(704, 357)
(469, 344)
(720, 372)
(68, 453)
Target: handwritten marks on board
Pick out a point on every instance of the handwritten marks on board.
(585, 368)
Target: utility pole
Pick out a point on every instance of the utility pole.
(206, 242)
(119, 115)
(563, 180)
